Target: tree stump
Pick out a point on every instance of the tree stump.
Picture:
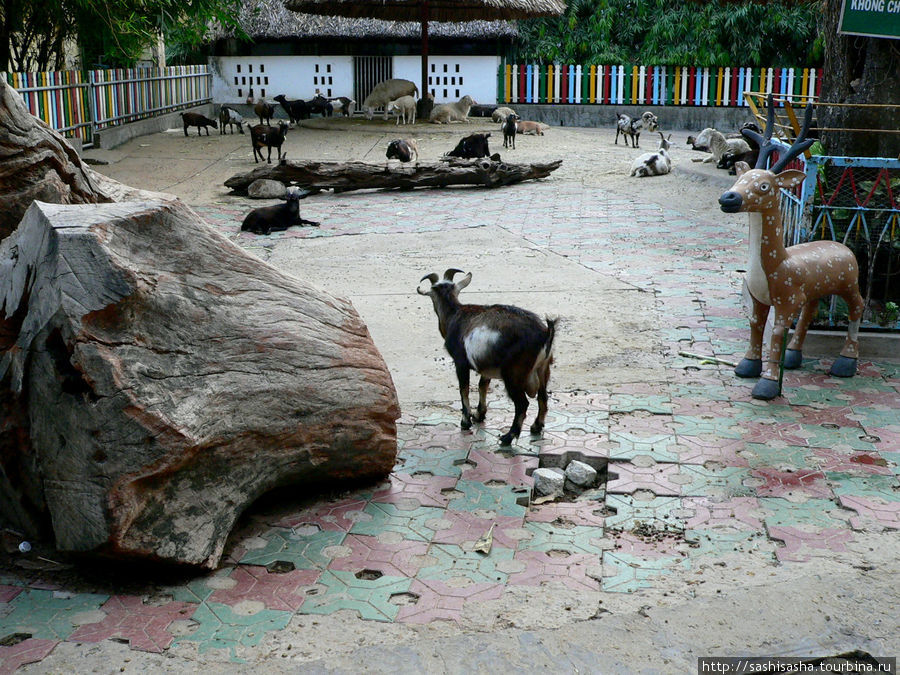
(345, 176)
(156, 380)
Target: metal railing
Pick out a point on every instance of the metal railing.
(77, 104)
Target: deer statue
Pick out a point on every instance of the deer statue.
(790, 279)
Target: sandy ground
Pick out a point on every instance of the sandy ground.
(825, 606)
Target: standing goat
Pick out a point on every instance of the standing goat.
(229, 117)
(790, 279)
(632, 127)
(494, 341)
(509, 130)
(264, 136)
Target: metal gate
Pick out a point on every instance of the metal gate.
(367, 72)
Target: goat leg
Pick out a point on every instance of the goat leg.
(483, 384)
(542, 397)
(520, 401)
(462, 374)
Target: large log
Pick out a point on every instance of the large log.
(156, 379)
(345, 176)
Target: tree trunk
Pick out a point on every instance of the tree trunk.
(864, 71)
(346, 176)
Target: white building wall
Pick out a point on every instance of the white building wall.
(452, 77)
(237, 77)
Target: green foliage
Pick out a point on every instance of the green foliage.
(673, 32)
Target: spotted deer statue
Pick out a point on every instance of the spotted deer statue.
(790, 279)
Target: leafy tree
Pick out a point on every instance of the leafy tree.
(673, 32)
(111, 32)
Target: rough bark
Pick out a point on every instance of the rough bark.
(156, 380)
(859, 70)
(37, 163)
(346, 176)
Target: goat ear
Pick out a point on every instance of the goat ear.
(790, 178)
(462, 283)
(740, 168)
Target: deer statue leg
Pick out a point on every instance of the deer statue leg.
(793, 355)
(845, 364)
(767, 388)
(751, 364)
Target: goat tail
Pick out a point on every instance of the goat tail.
(551, 333)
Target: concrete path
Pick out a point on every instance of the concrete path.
(720, 526)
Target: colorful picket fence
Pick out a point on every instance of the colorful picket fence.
(650, 85)
(77, 104)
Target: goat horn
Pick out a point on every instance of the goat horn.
(433, 278)
(448, 275)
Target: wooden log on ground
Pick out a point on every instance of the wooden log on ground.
(346, 176)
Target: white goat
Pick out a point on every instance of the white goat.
(719, 145)
(452, 112)
(405, 107)
(385, 92)
(500, 114)
(654, 163)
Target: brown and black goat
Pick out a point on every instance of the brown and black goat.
(264, 136)
(495, 341)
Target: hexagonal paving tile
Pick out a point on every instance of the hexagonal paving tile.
(224, 627)
(453, 563)
(569, 569)
(409, 523)
(401, 558)
(48, 615)
(304, 551)
(276, 591)
(501, 499)
(435, 600)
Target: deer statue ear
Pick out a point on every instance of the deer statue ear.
(740, 168)
(790, 178)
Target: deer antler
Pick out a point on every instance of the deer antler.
(767, 146)
(800, 144)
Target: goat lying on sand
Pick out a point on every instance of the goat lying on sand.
(452, 112)
(268, 219)
(403, 149)
(473, 146)
(494, 341)
(654, 163)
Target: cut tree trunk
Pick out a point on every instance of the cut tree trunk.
(156, 379)
(346, 176)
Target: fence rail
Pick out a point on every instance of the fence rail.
(650, 85)
(79, 103)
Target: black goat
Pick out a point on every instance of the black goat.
(228, 117)
(296, 110)
(268, 219)
(495, 341)
(264, 111)
(320, 106)
(402, 149)
(197, 120)
(509, 131)
(472, 146)
(262, 135)
(343, 104)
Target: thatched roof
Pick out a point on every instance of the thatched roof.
(438, 10)
(271, 19)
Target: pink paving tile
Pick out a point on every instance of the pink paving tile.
(829, 460)
(764, 431)
(666, 546)
(568, 513)
(437, 600)
(27, 651)
(395, 559)
(638, 388)
(799, 545)
(7, 593)
(544, 567)
(625, 478)
(741, 513)
(872, 511)
(425, 489)
(146, 627)
(803, 482)
(710, 448)
(488, 465)
(696, 407)
(888, 439)
(276, 591)
(580, 401)
(558, 448)
(459, 527)
(442, 436)
(333, 516)
(843, 416)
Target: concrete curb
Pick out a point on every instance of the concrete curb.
(114, 136)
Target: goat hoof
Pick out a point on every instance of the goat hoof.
(792, 359)
(749, 368)
(536, 429)
(506, 439)
(843, 366)
(465, 424)
(766, 390)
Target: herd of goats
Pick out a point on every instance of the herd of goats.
(515, 345)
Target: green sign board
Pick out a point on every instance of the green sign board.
(872, 18)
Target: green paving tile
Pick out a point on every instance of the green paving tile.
(657, 404)
(660, 447)
(894, 459)
(700, 392)
(436, 461)
(305, 551)
(661, 512)
(552, 537)
(222, 627)
(197, 590)
(47, 615)
(850, 437)
(779, 412)
(371, 598)
(784, 458)
(562, 419)
(689, 425)
(725, 482)
(476, 496)
(876, 417)
(722, 542)
(874, 485)
(452, 562)
(411, 524)
(627, 573)
(813, 513)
